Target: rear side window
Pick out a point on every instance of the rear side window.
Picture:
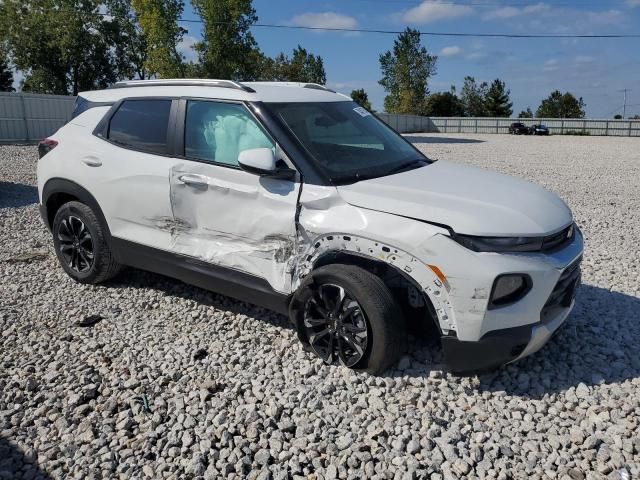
(141, 125)
(81, 106)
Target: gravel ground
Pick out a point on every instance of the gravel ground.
(177, 382)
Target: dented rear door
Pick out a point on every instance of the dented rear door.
(222, 214)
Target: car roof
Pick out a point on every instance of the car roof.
(219, 89)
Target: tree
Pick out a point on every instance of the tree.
(159, 26)
(497, 102)
(228, 48)
(63, 46)
(6, 76)
(526, 113)
(559, 105)
(361, 98)
(473, 97)
(405, 74)
(444, 104)
(129, 40)
(301, 67)
(617, 117)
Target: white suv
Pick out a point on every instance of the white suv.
(293, 197)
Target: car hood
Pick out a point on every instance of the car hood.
(470, 200)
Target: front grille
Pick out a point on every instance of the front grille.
(563, 292)
(558, 240)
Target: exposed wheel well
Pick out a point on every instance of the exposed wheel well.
(58, 191)
(416, 306)
(55, 201)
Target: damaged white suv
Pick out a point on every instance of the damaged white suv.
(293, 197)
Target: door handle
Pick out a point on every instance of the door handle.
(194, 180)
(92, 161)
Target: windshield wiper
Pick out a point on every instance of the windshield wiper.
(415, 163)
(353, 178)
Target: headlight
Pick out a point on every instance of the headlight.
(516, 244)
(508, 289)
(499, 244)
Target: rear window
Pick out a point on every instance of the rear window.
(142, 125)
(82, 105)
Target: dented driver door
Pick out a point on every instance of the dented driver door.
(222, 214)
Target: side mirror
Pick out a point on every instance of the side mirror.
(262, 161)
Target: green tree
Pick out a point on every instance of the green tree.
(129, 40)
(6, 76)
(301, 67)
(444, 104)
(561, 105)
(496, 101)
(526, 113)
(228, 49)
(306, 67)
(361, 98)
(405, 74)
(63, 46)
(159, 27)
(617, 117)
(473, 97)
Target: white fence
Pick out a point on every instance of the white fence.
(418, 124)
(30, 117)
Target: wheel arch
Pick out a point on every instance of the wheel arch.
(393, 276)
(58, 191)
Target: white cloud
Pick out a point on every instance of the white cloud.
(551, 65)
(18, 76)
(633, 3)
(510, 11)
(324, 20)
(429, 11)
(609, 17)
(450, 51)
(501, 13)
(584, 59)
(185, 48)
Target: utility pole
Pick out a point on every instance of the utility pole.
(624, 105)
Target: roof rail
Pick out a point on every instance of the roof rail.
(317, 86)
(178, 82)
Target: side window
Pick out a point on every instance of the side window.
(218, 132)
(141, 124)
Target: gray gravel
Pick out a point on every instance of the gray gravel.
(177, 382)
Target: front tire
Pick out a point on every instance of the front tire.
(81, 244)
(346, 315)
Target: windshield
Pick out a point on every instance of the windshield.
(347, 141)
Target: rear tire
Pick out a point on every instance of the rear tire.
(346, 315)
(81, 244)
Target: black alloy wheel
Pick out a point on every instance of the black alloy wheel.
(336, 326)
(76, 244)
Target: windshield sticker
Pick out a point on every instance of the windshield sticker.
(361, 111)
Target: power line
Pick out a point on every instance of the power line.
(432, 34)
(611, 112)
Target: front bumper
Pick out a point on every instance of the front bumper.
(487, 338)
(500, 347)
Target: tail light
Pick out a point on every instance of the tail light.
(45, 146)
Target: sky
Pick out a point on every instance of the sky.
(596, 69)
